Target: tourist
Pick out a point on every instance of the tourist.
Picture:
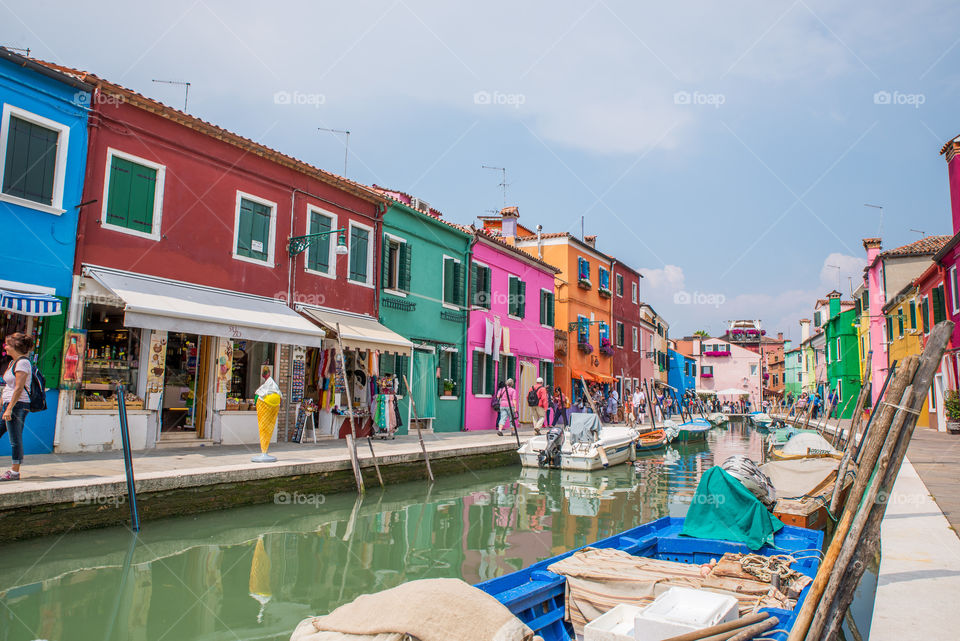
(508, 403)
(560, 405)
(15, 398)
(540, 402)
(640, 405)
(668, 406)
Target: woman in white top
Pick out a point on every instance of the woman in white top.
(15, 398)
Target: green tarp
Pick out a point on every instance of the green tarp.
(723, 509)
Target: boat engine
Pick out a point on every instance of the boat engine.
(550, 454)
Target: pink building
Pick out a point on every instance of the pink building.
(511, 328)
(721, 365)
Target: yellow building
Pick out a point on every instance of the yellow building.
(903, 333)
(860, 298)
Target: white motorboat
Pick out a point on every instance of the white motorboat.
(582, 445)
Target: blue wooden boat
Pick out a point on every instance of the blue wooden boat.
(695, 430)
(536, 595)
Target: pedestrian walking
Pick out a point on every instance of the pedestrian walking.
(508, 400)
(538, 400)
(15, 398)
(640, 404)
(560, 405)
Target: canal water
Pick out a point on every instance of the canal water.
(254, 573)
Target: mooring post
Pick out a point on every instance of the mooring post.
(127, 459)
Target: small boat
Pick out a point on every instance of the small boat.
(537, 596)
(651, 441)
(587, 445)
(718, 418)
(760, 420)
(804, 445)
(804, 487)
(695, 430)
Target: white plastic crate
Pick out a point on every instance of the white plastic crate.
(681, 610)
(615, 625)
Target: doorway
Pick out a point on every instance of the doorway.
(184, 401)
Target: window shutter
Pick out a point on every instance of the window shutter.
(512, 296)
(543, 307)
(925, 313)
(522, 299)
(455, 371)
(487, 287)
(913, 315)
(477, 372)
(889, 329)
(552, 310)
(939, 308)
(458, 273)
(143, 189)
(385, 263)
(402, 374)
(489, 375)
(50, 350)
(447, 280)
(31, 161)
(118, 194)
(474, 284)
(406, 265)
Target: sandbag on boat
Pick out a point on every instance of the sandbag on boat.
(724, 509)
(745, 470)
(423, 610)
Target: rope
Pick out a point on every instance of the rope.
(764, 568)
(901, 407)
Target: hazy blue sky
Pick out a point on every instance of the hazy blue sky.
(724, 149)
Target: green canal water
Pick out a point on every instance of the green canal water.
(254, 573)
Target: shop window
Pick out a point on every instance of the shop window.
(34, 156)
(449, 374)
(619, 279)
(254, 229)
(517, 304)
(480, 286)
(452, 281)
(396, 264)
(133, 195)
(396, 366)
(253, 362)
(111, 355)
(483, 374)
(546, 373)
(360, 256)
(508, 368)
(547, 308)
(320, 253)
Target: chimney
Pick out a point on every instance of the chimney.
(508, 222)
(804, 329)
(873, 247)
(834, 298)
(591, 240)
(780, 336)
(953, 178)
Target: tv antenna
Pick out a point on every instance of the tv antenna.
(25, 52)
(881, 216)
(503, 182)
(836, 267)
(919, 231)
(346, 146)
(181, 83)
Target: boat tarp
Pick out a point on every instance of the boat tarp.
(799, 477)
(806, 443)
(427, 609)
(584, 428)
(600, 579)
(723, 509)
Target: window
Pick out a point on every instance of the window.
(361, 257)
(452, 281)
(508, 368)
(603, 331)
(753, 370)
(604, 278)
(547, 308)
(583, 269)
(693, 369)
(776, 380)
(395, 365)
(132, 195)
(939, 305)
(954, 304)
(517, 300)
(633, 336)
(924, 314)
(249, 359)
(839, 391)
(839, 354)
(706, 370)
(483, 372)
(816, 319)
(889, 329)
(913, 314)
(321, 257)
(583, 330)
(33, 160)
(480, 286)
(633, 292)
(449, 386)
(546, 373)
(620, 285)
(899, 321)
(620, 334)
(254, 229)
(396, 264)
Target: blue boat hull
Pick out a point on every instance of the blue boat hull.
(536, 595)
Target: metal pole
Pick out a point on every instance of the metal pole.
(127, 459)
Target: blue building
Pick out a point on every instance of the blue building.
(681, 372)
(43, 149)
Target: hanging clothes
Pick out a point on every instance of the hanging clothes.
(488, 337)
(496, 339)
(505, 341)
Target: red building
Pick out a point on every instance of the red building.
(629, 360)
(188, 290)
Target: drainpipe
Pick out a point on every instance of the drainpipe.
(466, 332)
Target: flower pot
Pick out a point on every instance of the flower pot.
(953, 427)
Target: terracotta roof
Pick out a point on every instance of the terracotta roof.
(924, 247)
(387, 191)
(483, 233)
(438, 218)
(946, 248)
(214, 131)
(564, 234)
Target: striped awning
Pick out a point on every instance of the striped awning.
(30, 304)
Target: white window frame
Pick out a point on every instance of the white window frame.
(63, 145)
(449, 350)
(371, 240)
(633, 336)
(332, 260)
(838, 349)
(273, 229)
(839, 390)
(619, 280)
(157, 195)
(549, 291)
(953, 290)
(443, 283)
(390, 290)
(488, 360)
(633, 291)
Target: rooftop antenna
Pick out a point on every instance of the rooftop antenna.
(920, 231)
(881, 216)
(836, 267)
(346, 146)
(182, 83)
(850, 280)
(25, 52)
(503, 182)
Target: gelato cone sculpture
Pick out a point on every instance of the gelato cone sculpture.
(268, 407)
(260, 578)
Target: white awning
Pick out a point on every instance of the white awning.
(359, 332)
(159, 303)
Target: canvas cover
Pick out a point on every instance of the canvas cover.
(806, 443)
(584, 428)
(799, 477)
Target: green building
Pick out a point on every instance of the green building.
(424, 262)
(793, 365)
(842, 355)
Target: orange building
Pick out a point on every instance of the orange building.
(583, 299)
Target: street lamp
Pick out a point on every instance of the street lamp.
(296, 245)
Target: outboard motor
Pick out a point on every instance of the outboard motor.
(550, 455)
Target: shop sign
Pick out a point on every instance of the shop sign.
(224, 364)
(157, 361)
(74, 348)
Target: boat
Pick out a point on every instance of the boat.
(652, 440)
(718, 418)
(804, 445)
(537, 596)
(804, 488)
(760, 420)
(695, 430)
(587, 445)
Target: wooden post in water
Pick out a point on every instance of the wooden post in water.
(602, 452)
(851, 438)
(353, 424)
(653, 421)
(423, 447)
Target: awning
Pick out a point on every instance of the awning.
(587, 376)
(159, 303)
(359, 332)
(30, 304)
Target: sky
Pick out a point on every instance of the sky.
(725, 150)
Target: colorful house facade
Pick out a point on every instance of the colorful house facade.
(842, 354)
(791, 374)
(43, 145)
(682, 372)
(903, 318)
(660, 334)
(630, 365)
(722, 365)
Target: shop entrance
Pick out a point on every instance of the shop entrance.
(184, 407)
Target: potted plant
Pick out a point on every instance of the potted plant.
(952, 406)
(448, 387)
(606, 347)
(584, 283)
(604, 292)
(586, 348)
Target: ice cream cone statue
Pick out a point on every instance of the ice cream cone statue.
(260, 577)
(268, 408)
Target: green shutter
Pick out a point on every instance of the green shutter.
(489, 375)
(474, 282)
(318, 255)
(385, 263)
(406, 262)
(254, 225)
(939, 306)
(889, 329)
(457, 283)
(487, 287)
(543, 307)
(359, 248)
(552, 309)
(913, 315)
(31, 161)
(900, 321)
(522, 300)
(455, 371)
(477, 372)
(448, 280)
(50, 350)
(118, 193)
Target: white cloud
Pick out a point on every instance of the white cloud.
(659, 283)
(849, 268)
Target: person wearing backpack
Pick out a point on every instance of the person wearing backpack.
(15, 398)
(539, 400)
